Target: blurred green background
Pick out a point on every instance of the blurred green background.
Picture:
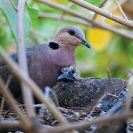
(108, 49)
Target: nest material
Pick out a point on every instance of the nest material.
(83, 99)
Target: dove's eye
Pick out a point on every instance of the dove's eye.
(71, 32)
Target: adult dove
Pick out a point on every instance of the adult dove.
(46, 61)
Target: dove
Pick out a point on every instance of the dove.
(45, 61)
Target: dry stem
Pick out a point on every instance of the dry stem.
(122, 32)
(100, 6)
(120, 9)
(10, 124)
(60, 19)
(66, 18)
(9, 97)
(3, 99)
(27, 94)
(12, 3)
(106, 14)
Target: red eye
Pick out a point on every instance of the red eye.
(71, 32)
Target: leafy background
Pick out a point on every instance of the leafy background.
(108, 49)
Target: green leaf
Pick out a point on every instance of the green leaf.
(10, 12)
(32, 12)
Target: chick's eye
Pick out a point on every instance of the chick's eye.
(71, 32)
(73, 71)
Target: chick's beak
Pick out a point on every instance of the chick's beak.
(66, 76)
(84, 42)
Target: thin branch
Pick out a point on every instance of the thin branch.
(106, 8)
(113, 8)
(35, 89)
(27, 94)
(3, 99)
(122, 32)
(12, 3)
(94, 107)
(106, 14)
(9, 97)
(60, 19)
(66, 18)
(100, 6)
(120, 9)
(108, 79)
(10, 124)
(39, 34)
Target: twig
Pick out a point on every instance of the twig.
(100, 6)
(39, 34)
(122, 32)
(9, 97)
(109, 15)
(10, 124)
(115, 109)
(120, 9)
(112, 95)
(3, 99)
(12, 3)
(23, 105)
(66, 18)
(27, 94)
(113, 8)
(49, 90)
(85, 124)
(108, 80)
(60, 19)
(36, 90)
(96, 105)
(106, 8)
(128, 103)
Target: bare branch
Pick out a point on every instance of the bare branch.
(121, 2)
(100, 6)
(10, 99)
(10, 124)
(3, 99)
(94, 107)
(12, 3)
(108, 78)
(27, 94)
(39, 34)
(109, 15)
(66, 18)
(125, 33)
(120, 9)
(60, 19)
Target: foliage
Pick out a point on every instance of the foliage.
(108, 49)
(10, 13)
